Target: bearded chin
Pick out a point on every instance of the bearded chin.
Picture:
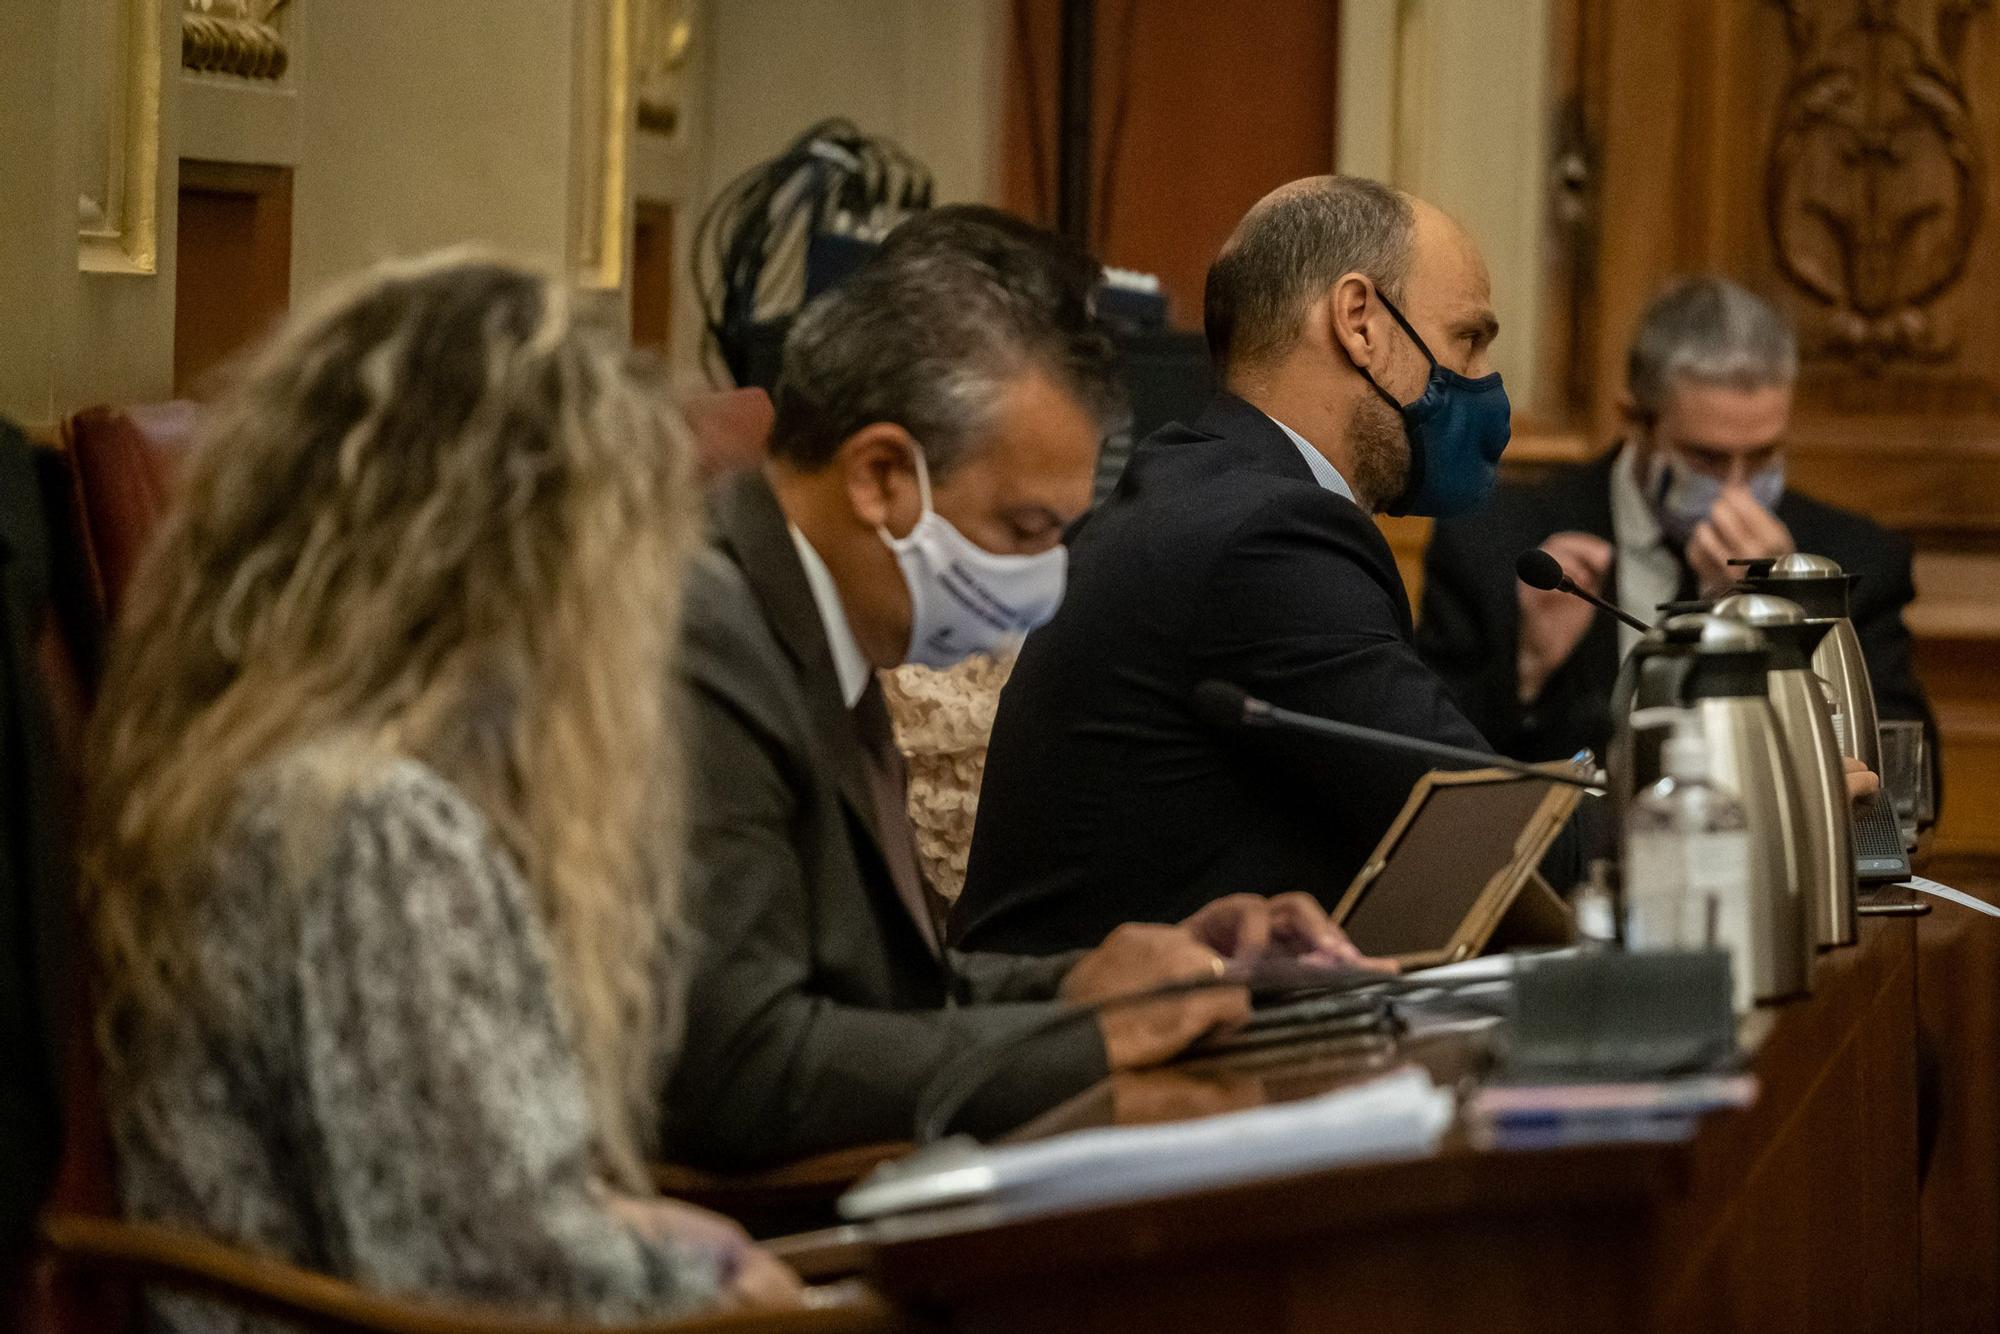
(1381, 453)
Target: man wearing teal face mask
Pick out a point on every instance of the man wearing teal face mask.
(936, 431)
(1699, 479)
(1351, 327)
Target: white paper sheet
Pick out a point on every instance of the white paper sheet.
(1398, 1115)
(1950, 895)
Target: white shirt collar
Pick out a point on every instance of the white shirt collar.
(849, 664)
(1633, 520)
(1646, 572)
(1323, 472)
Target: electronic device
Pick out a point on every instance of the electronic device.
(1167, 378)
(1456, 873)
(1879, 855)
(1315, 1018)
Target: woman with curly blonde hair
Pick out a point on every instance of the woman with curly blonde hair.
(385, 913)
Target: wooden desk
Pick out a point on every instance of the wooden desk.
(1799, 1214)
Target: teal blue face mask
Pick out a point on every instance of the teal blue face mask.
(1457, 432)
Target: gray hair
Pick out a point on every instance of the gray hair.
(931, 333)
(1292, 246)
(1710, 331)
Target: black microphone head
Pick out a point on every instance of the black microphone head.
(1538, 569)
(1221, 704)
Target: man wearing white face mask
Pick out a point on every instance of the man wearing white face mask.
(1698, 480)
(937, 429)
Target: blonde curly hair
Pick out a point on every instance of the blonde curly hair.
(444, 514)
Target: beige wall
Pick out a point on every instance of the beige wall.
(923, 72)
(410, 126)
(1449, 99)
(407, 127)
(70, 337)
(432, 124)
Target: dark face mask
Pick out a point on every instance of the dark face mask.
(1457, 432)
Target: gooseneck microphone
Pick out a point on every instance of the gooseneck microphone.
(1538, 569)
(1225, 705)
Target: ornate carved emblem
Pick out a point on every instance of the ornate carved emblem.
(1876, 181)
(238, 37)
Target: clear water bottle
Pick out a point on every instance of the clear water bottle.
(1595, 904)
(1687, 862)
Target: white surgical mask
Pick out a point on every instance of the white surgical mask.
(965, 599)
(1682, 496)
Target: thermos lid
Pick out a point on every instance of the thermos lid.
(1761, 609)
(1801, 565)
(1728, 657)
(1816, 583)
(1791, 634)
(1714, 634)
(1722, 635)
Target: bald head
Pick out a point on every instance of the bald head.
(1293, 245)
(1328, 308)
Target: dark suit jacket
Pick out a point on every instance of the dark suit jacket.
(818, 1012)
(1105, 799)
(1470, 628)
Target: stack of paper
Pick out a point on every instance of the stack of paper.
(1398, 1115)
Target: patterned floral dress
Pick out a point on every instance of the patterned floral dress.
(380, 1082)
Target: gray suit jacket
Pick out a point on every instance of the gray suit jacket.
(818, 1012)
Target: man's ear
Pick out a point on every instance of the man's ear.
(878, 471)
(1630, 412)
(1350, 316)
(1640, 424)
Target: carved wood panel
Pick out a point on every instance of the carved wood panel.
(1876, 177)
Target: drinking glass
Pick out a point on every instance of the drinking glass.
(1906, 775)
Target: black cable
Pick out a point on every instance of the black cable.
(751, 243)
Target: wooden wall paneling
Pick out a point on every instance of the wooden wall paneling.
(1638, 94)
(653, 275)
(1562, 341)
(1958, 975)
(234, 263)
(1407, 539)
(1201, 109)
